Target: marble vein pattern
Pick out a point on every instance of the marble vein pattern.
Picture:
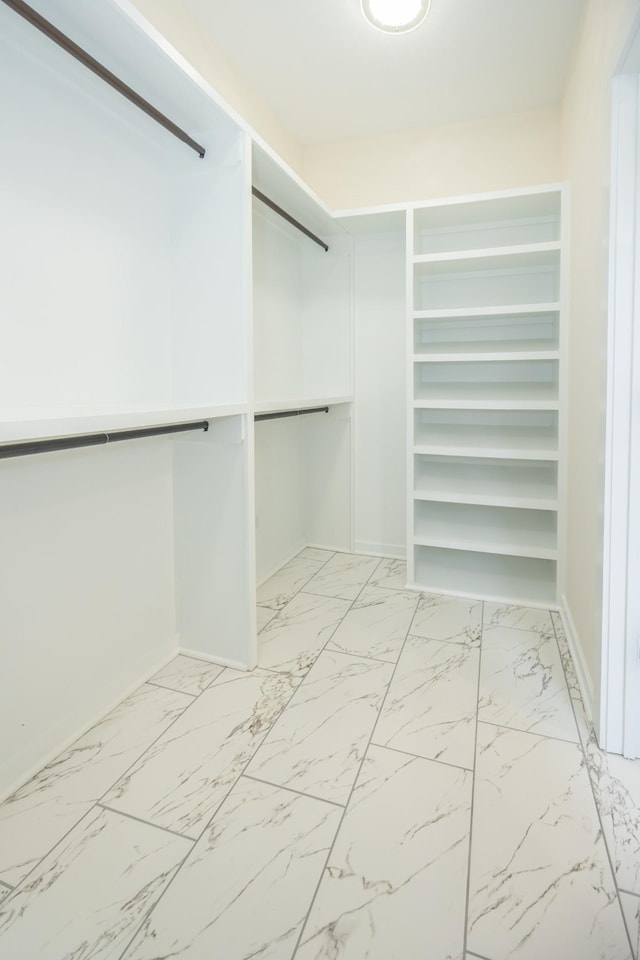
(291, 642)
(187, 675)
(522, 683)
(631, 910)
(376, 625)
(391, 574)
(264, 616)
(89, 894)
(318, 743)
(519, 618)
(430, 709)
(453, 619)
(616, 785)
(316, 553)
(565, 656)
(183, 778)
(396, 893)
(248, 881)
(344, 575)
(540, 879)
(283, 585)
(42, 811)
(4, 892)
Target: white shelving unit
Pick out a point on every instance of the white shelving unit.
(484, 313)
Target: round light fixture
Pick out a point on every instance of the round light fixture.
(395, 16)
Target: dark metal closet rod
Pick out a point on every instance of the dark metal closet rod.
(287, 216)
(280, 414)
(26, 447)
(96, 67)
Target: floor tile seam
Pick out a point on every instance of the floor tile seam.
(472, 645)
(344, 812)
(358, 656)
(605, 841)
(465, 932)
(533, 733)
(162, 686)
(629, 893)
(298, 793)
(144, 822)
(206, 826)
(278, 610)
(420, 756)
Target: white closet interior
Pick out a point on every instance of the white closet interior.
(143, 286)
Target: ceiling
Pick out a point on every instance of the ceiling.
(328, 76)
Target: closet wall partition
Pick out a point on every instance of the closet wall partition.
(124, 296)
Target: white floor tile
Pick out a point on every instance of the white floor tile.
(316, 553)
(245, 889)
(44, 809)
(391, 574)
(616, 784)
(182, 779)
(343, 576)
(264, 615)
(283, 585)
(631, 910)
(187, 675)
(395, 883)
(541, 883)
(519, 618)
(453, 619)
(522, 683)
(565, 656)
(376, 625)
(291, 642)
(88, 896)
(430, 709)
(318, 743)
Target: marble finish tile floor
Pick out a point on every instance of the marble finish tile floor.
(403, 777)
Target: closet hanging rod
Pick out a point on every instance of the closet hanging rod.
(287, 216)
(34, 18)
(280, 414)
(26, 447)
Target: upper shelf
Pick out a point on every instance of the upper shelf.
(518, 257)
(39, 423)
(299, 403)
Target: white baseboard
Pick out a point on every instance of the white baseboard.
(219, 661)
(583, 674)
(80, 732)
(391, 551)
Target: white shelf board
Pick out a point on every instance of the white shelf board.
(478, 449)
(514, 549)
(487, 396)
(443, 495)
(517, 309)
(520, 256)
(299, 403)
(467, 352)
(39, 423)
(492, 442)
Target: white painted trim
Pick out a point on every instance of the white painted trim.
(583, 674)
(219, 661)
(387, 551)
(80, 732)
(510, 601)
(618, 720)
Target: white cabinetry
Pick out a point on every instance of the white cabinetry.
(484, 306)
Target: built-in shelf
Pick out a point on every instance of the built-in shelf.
(516, 484)
(522, 256)
(466, 352)
(38, 423)
(485, 311)
(487, 396)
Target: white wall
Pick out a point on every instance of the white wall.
(586, 164)
(380, 391)
(86, 590)
(510, 151)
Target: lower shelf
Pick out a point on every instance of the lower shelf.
(520, 580)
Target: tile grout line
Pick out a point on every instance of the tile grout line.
(533, 733)
(346, 806)
(214, 814)
(161, 686)
(474, 774)
(583, 748)
(298, 793)
(299, 590)
(146, 823)
(419, 756)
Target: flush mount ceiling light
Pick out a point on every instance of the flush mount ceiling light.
(395, 16)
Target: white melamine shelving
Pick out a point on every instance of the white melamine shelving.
(485, 355)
